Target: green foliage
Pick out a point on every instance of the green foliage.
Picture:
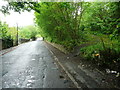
(102, 30)
(66, 21)
(28, 32)
(20, 6)
(70, 24)
(3, 30)
(101, 17)
(12, 31)
(90, 50)
(107, 56)
(7, 41)
(59, 22)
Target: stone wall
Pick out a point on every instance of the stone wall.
(23, 40)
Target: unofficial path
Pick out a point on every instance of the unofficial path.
(31, 65)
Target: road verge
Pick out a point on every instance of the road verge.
(66, 71)
(86, 77)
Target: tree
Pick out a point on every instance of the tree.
(7, 41)
(28, 32)
(60, 21)
(65, 22)
(3, 30)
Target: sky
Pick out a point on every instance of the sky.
(23, 19)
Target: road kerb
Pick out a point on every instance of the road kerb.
(13, 48)
(69, 75)
(9, 50)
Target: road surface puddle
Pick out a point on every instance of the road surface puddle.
(31, 81)
(33, 59)
(32, 77)
(41, 58)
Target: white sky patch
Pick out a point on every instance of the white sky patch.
(23, 19)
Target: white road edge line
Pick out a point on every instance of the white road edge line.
(69, 75)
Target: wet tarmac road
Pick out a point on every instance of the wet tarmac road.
(31, 65)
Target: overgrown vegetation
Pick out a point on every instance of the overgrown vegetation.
(7, 40)
(71, 24)
(105, 54)
(103, 27)
(10, 35)
(28, 32)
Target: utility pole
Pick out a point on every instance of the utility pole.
(17, 34)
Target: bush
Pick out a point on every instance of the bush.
(7, 42)
(107, 57)
(69, 45)
(89, 51)
(110, 58)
